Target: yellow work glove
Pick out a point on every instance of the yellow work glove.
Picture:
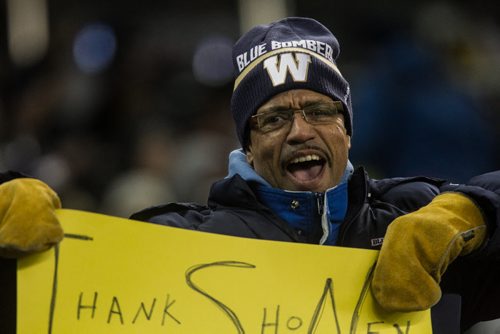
(27, 217)
(419, 246)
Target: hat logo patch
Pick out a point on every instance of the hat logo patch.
(280, 65)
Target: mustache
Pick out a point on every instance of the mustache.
(290, 152)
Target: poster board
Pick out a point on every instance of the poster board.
(112, 275)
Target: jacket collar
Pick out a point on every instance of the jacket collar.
(306, 212)
(309, 213)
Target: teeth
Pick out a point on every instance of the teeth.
(310, 157)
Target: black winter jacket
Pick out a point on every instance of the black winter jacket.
(471, 285)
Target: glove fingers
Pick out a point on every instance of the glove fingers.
(400, 281)
(33, 236)
(28, 221)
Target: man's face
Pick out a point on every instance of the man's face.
(300, 156)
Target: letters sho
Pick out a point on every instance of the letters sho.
(294, 322)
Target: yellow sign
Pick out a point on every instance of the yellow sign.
(112, 275)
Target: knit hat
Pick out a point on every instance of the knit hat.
(292, 53)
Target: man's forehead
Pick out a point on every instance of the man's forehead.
(292, 97)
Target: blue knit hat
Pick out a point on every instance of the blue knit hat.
(292, 53)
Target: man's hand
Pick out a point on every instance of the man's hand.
(28, 222)
(418, 247)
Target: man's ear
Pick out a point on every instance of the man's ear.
(249, 155)
(349, 142)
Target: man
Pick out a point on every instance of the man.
(292, 181)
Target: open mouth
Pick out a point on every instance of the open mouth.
(306, 168)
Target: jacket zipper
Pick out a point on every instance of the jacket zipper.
(320, 202)
(347, 224)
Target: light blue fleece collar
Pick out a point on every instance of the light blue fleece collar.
(238, 165)
(305, 211)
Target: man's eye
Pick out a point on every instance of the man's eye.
(273, 119)
(321, 112)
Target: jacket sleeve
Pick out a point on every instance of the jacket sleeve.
(484, 190)
(10, 175)
(8, 278)
(476, 277)
(182, 215)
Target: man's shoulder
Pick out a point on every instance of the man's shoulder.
(234, 221)
(382, 186)
(407, 193)
(186, 215)
(174, 207)
(489, 181)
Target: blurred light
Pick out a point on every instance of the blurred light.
(212, 64)
(94, 47)
(148, 188)
(262, 12)
(22, 153)
(28, 30)
(81, 98)
(53, 170)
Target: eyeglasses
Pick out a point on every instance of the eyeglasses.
(321, 113)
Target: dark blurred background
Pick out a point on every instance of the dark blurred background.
(120, 105)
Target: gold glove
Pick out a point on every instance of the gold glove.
(419, 246)
(27, 217)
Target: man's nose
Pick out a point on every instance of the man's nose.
(300, 130)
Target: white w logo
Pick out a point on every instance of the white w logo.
(297, 67)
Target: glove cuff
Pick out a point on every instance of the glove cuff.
(465, 217)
